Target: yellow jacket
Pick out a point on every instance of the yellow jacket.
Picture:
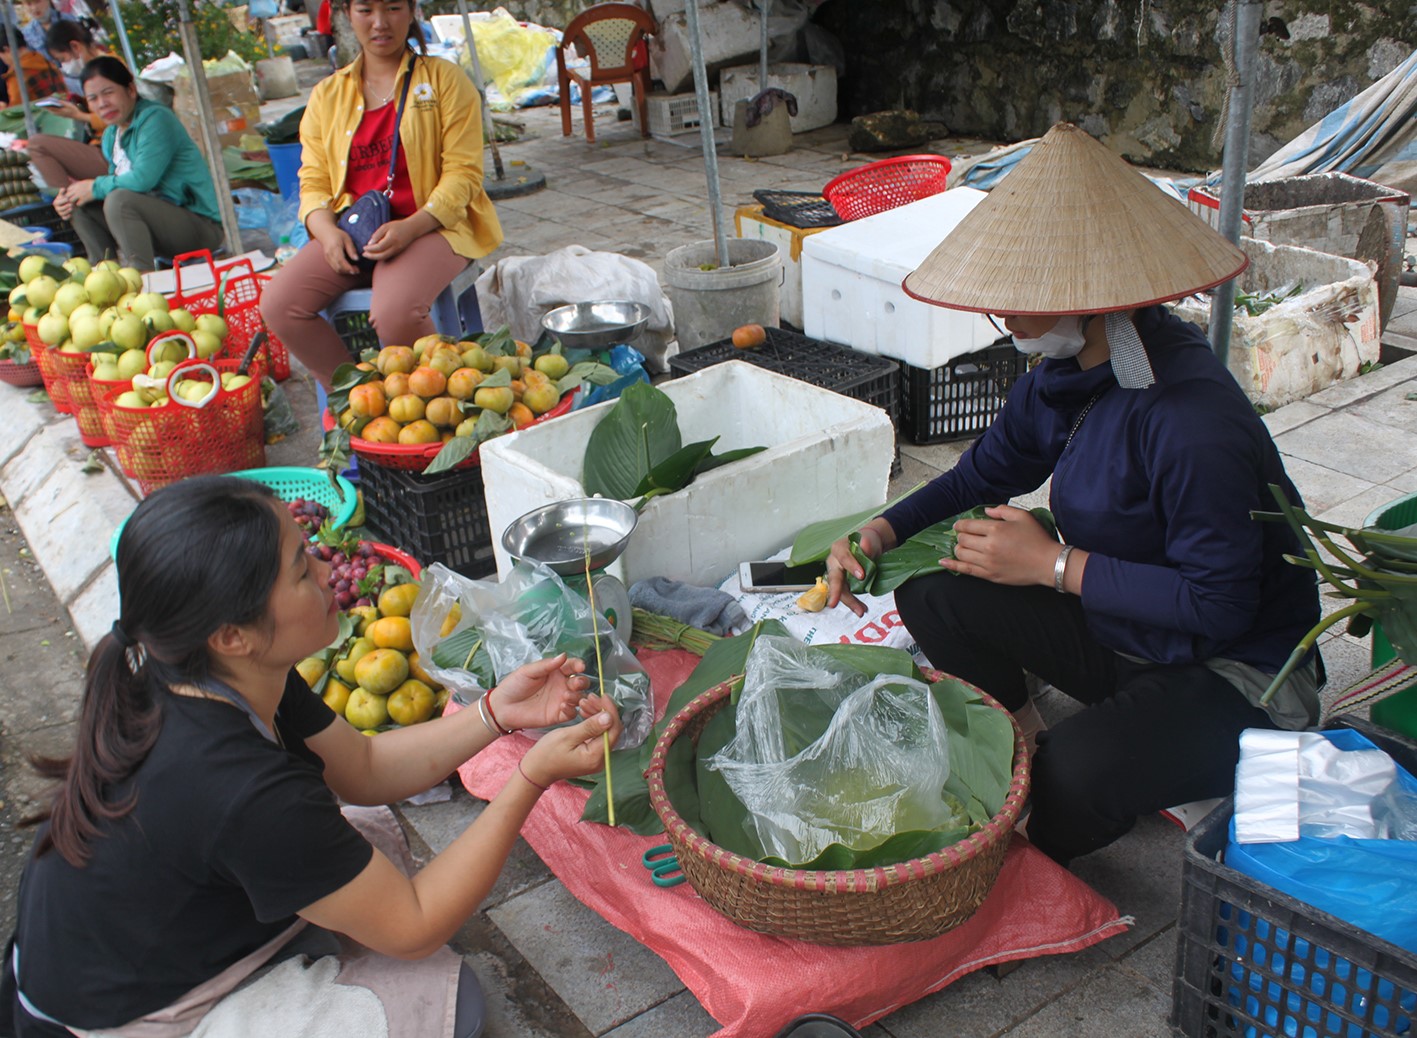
(440, 133)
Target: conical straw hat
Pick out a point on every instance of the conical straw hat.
(1073, 229)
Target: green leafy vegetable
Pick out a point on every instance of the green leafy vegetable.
(815, 542)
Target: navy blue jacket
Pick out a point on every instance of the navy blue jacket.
(1157, 485)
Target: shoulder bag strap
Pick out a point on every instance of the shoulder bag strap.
(398, 118)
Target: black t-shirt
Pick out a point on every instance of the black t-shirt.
(232, 835)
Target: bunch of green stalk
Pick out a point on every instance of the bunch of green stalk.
(1376, 569)
(655, 631)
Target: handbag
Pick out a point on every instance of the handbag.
(370, 211)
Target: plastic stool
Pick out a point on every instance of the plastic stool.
(447, 310)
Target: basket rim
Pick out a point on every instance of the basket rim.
(872, 169)
(851, 881)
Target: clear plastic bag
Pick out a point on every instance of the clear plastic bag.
(529, 616)
(877, 768)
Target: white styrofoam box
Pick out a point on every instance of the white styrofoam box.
(1310, 340)
(671, 114)
(826, 455)
(728, 35)
(851, 284)
(814, 86)
(749, 222)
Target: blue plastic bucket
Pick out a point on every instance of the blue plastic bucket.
(286, 160)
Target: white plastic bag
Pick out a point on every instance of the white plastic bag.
(529, 616)
(878, 768)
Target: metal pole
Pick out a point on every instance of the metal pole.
(114, 7)
(1236, 163)
(192, 52)
(706, 121)
(763, 46)
(13, 39)
(488, 130)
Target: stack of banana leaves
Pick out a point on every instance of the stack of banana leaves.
(1376, 569)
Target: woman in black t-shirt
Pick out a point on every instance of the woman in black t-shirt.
(196, 832)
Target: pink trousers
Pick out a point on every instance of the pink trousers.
(404, 290)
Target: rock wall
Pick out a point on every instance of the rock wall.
(1146, 76)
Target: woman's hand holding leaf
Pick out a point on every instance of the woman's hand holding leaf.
(1009, 547)
(851, 563)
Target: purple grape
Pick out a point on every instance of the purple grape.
(366, 601)
(358, 573)
(339, 558)
(342, 587)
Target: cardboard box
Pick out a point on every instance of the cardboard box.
(235, 105)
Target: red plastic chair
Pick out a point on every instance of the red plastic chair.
(608, 35)
(878, 186)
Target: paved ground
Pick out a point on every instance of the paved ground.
(1349, 449)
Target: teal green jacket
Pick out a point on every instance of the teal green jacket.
(164, 162)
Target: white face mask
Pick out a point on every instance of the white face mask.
(1064, 339)
(72, 68)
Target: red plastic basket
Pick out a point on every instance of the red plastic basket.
(240, 304)
(104, 392)
(54, 383)
(74, 369)
(878, 186)
(22, 375)
(389, 553)
(415, 457)
(160, 445)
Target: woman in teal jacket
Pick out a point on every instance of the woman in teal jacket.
(157, 198)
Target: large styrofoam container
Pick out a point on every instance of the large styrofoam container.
(749, 222)
(1315, 338)
(826, 455)
(851, 284)
(814, 86)
(728, 35)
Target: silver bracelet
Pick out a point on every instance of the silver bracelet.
(1060, 568)
(482, 712)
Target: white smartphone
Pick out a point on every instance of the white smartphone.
(49, 102)
(779, 576)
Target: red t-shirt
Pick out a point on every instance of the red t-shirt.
(369, 161)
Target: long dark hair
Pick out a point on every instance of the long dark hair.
(110, 68)
(194, 557)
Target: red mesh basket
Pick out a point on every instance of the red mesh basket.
(160, 445)
(239, 306)
(104, 393)
(74, 369)
(415, 457)
(22, 375)
(883, 185)
(54, 383)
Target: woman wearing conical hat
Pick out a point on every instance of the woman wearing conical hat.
(1166, 609)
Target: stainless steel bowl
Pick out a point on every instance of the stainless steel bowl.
(592, 325)
(560, 534)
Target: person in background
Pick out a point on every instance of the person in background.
(1167, 610)
(441, 215)
(197, 835)
(41, 78)
(157, 197)
(43, 15)
(59, 160)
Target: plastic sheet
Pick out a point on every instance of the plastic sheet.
(876, 770)
(530, 615)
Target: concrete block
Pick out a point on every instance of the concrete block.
(728, 35)
(438, 825)
(1141, 875)
(1321, 487)
(52, 446)
(1389, 407)
(95, 608)
(681, 1016)
(22, 420)
(814, 86)
(68, 519)
(603, 974)
(821, 447)
(1115, 1001)
(1351, 444)
(1291, 416)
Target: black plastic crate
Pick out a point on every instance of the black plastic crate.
(440, 518)
(797, 208)
(1253, 962)
(861, 376)
(959, 398)
(354, 329)
(42, 214)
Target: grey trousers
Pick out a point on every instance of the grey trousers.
(138, 227)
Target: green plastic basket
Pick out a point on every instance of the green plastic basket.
(1397, 712)
(290, 482)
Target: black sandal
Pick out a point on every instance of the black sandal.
(819, 1025)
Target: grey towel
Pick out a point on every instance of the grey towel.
(707, 608)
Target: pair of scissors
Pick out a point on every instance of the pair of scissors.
(663, 866)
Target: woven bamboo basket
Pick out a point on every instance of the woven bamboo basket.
(912, 901)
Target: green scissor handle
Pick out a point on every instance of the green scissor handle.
(663, 866)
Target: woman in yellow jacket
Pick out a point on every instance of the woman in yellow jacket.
(441, 217)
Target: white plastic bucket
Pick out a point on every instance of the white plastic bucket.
(709, 304)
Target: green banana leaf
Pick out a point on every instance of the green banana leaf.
(922, 553)
(638, 433)
(815, 541)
